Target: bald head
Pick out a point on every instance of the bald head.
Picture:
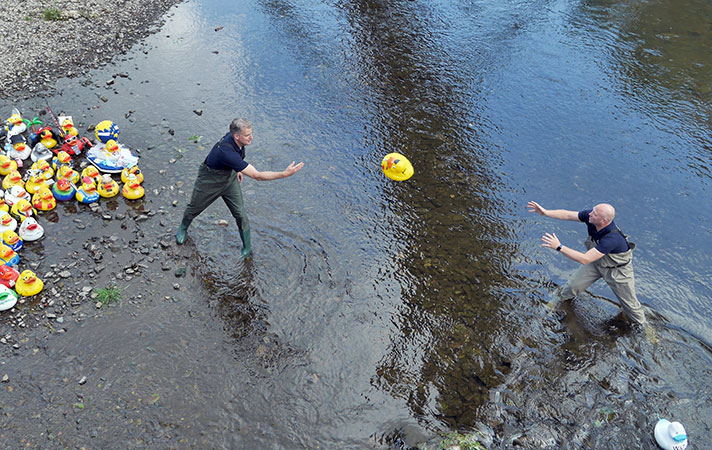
(607, 212)
(602, 215)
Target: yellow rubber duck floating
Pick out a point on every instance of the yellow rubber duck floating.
(107, 186)
(12, 179)
(7, 165)
(28, 284)
(43, 199)
(132, 188)
(397, 167)
(134, 170)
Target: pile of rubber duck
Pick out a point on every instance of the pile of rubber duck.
(50, 178)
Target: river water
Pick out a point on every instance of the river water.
(378, 314)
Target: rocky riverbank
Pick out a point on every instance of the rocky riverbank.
(49, 39)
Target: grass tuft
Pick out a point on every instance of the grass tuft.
(52, 14)
(109, 294)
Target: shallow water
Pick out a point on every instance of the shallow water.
(375, 313)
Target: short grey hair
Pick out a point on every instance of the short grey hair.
(239, 124)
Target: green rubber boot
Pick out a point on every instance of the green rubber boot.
(246, 243)
(182, 230)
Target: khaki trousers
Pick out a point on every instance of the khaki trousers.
(617, 271)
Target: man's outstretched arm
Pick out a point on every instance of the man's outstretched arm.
(561, 214)
(255, 174)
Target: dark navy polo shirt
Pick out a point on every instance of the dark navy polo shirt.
(608, 239)
(226, 155)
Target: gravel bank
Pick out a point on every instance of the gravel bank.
(49, 39)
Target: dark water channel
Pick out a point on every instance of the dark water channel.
(376, 314)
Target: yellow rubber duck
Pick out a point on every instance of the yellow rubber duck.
(107, 186)
(4, 207)
(35, 181)
(12, 240)
(7, 222)
(12, 179)
(15, 123)
(67, 173)
(397, 167)
(43, 199)
(132, 188)
(44, 166)
(134, 170)
(7, 165)
(22, 210)
(28, 284)
(62, 158)
(111, 149)
(8, 255)
(68, 127)
(87, 193)
(47, 138)
(91, 172)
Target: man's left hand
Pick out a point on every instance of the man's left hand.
(550, 240)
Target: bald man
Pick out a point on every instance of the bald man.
(608, 255)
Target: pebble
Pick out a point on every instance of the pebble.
(65, 274)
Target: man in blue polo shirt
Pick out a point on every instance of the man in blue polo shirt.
(609, 256)
(220, 175)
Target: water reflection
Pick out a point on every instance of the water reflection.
(662, 50)
(445, 229)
